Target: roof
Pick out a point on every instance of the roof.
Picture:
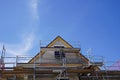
(115, 66)
(58, 38)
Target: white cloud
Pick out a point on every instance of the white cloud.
(34, 8)
(26, 43)
(20, 49)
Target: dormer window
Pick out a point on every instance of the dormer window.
(58, 46)
(59, 55)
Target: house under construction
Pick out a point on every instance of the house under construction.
(59, 60)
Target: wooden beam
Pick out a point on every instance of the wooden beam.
(108, 72)
(79, 71)
(23, 71)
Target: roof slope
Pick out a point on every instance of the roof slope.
(58, 38)
(115, 66)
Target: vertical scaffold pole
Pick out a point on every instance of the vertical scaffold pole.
(34, 69)
(2, 57)
(16, 60)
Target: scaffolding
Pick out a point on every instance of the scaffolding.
(95, 69)
(103, 74)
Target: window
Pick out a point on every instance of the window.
(59, 55)
(58, 46)
(62, 79)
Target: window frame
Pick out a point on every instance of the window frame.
(59, 55)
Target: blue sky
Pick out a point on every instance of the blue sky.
(93, 24)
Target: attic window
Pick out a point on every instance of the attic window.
(59, 55)
(58, 46)
(63, 79)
